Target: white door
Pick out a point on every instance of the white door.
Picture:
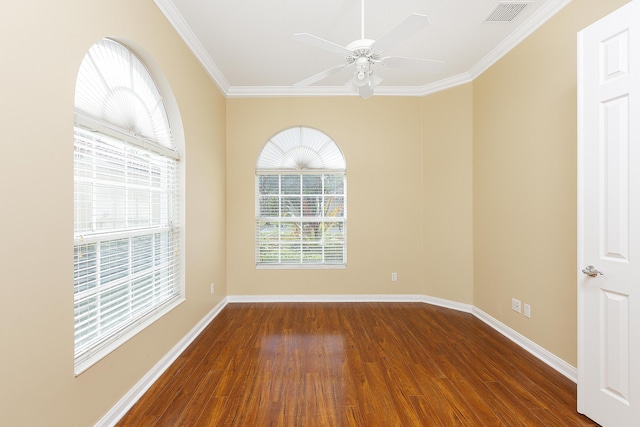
(609, 218)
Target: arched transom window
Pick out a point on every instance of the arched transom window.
(127, 261)
(301, 201)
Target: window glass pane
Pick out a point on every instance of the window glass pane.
(142, 293)
(113, 306)
(290, 253)
(290, 231)
(138, 168)
(268, 253)
(109, 161)
(269, 184)
(142, 253)
(334, 184)
(312, 206)
(334, 253)
(139, 207)
(158, 208)
(85, 259)
(85, 311)
(312, 184)
(312, 253)
(312, 232)
(83, 207)
(114, 260)
(268, 231)
(334, 206)
(269, 206)
(334, 230)
(110, 207)
(291, 206)
(290, 184)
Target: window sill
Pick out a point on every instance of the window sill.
(301, 266)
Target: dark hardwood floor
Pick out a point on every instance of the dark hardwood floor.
(355, 364)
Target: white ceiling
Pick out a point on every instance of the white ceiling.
(247, 48)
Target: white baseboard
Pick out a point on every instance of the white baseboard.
(544, 355)
(121, 408)
(326, 298)
(352, 298)
(467, 308)
(129, 399)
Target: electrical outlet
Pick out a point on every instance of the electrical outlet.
(515, 305)
(527, 310)
(394, 277)
(211, 288)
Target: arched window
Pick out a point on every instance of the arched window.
(127, 262)
(301, 201)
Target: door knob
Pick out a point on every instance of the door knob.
(590, 270)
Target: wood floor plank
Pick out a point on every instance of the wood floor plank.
(354, 364)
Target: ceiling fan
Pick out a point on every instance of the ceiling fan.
(363, 54)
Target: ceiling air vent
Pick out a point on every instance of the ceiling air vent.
(506, 11)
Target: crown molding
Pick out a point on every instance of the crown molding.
(175, 18)
(289, 91)
(534, 22)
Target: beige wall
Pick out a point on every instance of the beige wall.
(381, 140)
(524, 171)
(447, 194)
(42, 45)
(408, 163)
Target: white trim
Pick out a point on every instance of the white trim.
(544, 355)
(582, 403)
(444, 84)
(467, 308)
(288, 91)
(301, 266)
(133, 395)
(535, 21)
(324, 298)
(291, 91)
(170, 11)
(128, 400)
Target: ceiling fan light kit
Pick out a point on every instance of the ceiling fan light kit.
(363, 54)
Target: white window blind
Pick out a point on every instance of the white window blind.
(127, 240)
(300, 219)
(300, 201)
(126, 243)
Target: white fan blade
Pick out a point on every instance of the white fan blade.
(315, 41)
(411, 25)
(323, 75)
(426, 65)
